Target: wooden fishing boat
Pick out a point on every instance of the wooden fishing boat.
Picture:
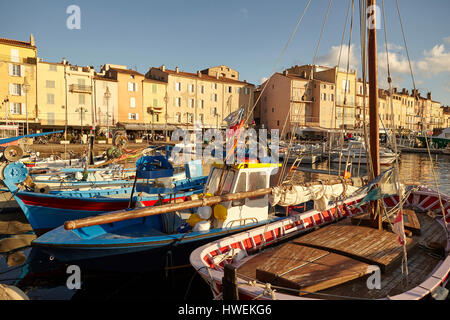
(335, 266)
(165, 229)
(387, 245)
(46, 211)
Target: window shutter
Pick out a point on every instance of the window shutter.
(22, 108)
(11, 88)
(137, 116)
(10, 69)
(22, 71)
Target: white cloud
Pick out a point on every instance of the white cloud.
(394, 47)
(331, 58)
(397, 62)
(447, 86)
(436, 60)
(262, 80)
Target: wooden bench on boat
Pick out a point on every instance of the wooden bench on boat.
(376, 247)
(326, 258)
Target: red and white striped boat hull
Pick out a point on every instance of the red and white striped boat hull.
(202, 258)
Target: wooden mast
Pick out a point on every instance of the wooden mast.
(373, 103)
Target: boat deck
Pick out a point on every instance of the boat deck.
(334, 260)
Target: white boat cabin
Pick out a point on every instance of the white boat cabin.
(243, 177)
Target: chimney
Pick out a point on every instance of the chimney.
(285, 72)
(217, 75)
(162, 68)
(429, 95)
(199, 74)
(177, 70)
(32, 40)
(63, 61)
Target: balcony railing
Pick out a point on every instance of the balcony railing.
(80, 88)
(27, 60)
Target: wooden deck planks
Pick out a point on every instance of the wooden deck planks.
(410, 221)
(308, 269)
(365, 244)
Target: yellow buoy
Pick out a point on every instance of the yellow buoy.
(220, 212)
(194, 219)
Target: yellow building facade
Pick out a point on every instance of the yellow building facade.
(18, 83)
(51, 102)
(202, 98)
(155, 101)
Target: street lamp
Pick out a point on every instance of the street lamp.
(81, 110)
(107, 95)
(26, 87)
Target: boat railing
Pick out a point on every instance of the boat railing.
(244, 220)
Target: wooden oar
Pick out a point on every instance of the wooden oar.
(151, 211)
(171, 207)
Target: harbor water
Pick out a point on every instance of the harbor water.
(43, 278)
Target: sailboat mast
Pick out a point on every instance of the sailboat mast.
(373, 88)
(373, 104)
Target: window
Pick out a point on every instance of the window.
(51, 67)
(214, 97)
(49, 84)
(155, 102)
(257, 180)
(247, 91)
(154, 88)
(273, 110)
(214, 111)
(345, 85)
(177, 102)
(15, 108)
(15, 70)
(191, 103)
(202, 89)
(278, 122)
(178, 86)
(190, 117)
(15, 89)
(132, 102)
(14, 55)
(191, 88)
(230, 89)
(331, 97)
(178, 117)
(133, 116)
(132, 87)
(202, 104)
(323, 96)
(214, 86)
(50, 98)
(200, 117)
(81, 99)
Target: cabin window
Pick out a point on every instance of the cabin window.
(257, 180)
(228, 182)
(213, 183)
(241, 186)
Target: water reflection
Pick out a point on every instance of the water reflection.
(41, 277)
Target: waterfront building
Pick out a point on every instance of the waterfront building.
(155, 100)
(52, 93)
(18, 86)
(205, 97)
(106, 101)
(129, 95)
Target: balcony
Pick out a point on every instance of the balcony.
(80, 88)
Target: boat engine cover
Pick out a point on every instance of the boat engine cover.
(15, 172)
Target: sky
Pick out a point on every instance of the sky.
(246, 35)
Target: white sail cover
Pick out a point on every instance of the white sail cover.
(293, 195)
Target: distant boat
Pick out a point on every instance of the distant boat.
(46, 211)
(355, 153)
(441, 140)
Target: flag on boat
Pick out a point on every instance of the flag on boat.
(235, 119)
(399, 228)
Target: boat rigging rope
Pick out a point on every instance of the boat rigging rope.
(422, 118)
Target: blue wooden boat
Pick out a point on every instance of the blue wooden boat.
(46, 211)
(167, 239)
